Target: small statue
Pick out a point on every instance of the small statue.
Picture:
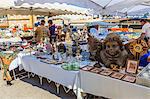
(48, 47)
(94, 45)
(84, 34)
(69, 50)
(78, 53)
(113, 53)
(61, 48)
(68, 39)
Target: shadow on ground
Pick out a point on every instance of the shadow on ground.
(50, 87)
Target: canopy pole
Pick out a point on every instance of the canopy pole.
(32, 19)
(7, 21)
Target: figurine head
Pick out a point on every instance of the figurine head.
(61, 48)
(113, 44)
(85, 29)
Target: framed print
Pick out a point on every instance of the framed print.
(128, 78)
(87, 68)
(96, 70)
(132, 66)
(106, 72)
(117, 75)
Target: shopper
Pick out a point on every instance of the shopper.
(52, 28)
(5, 60)
(65, 28)
(59, 33)
(145, 29)
(41, 32)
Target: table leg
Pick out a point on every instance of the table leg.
(57, 85)
(66, 90)
(84, 95)
(14, 74)
(32, 74)
(40, 80)
(28, 75)
(49, 81)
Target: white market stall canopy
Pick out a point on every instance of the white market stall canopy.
(73, 5)
(142, 9)
(34, 11)
(57, 6)
(127, 6)
(103, 7)
(9, 7)
(122, 6)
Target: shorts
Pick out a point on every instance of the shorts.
(53, 38)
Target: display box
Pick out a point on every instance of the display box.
(96, 70)
(117, 75)
(143, 78)
(106, 72)
(129, 78)
(87, 68)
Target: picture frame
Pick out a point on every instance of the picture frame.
(106, 72)
(129, 78)
(117, 75)
(96, 70)
(132, 66)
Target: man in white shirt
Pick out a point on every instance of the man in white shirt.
(145, 29)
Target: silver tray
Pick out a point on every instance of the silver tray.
(143, 78)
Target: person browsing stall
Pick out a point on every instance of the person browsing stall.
(145, 59)
(145, 29)
(42, 32)
(52, 28)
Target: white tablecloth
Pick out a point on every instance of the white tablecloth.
(14, 64)
(83, 81)
(52, 72)
(17, 61)
(14, 39)
(112, 88)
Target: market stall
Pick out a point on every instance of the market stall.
(65, 70)
(100, 85)
(116, 75)
(52, 72)
(88, 61)
(11, 40)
